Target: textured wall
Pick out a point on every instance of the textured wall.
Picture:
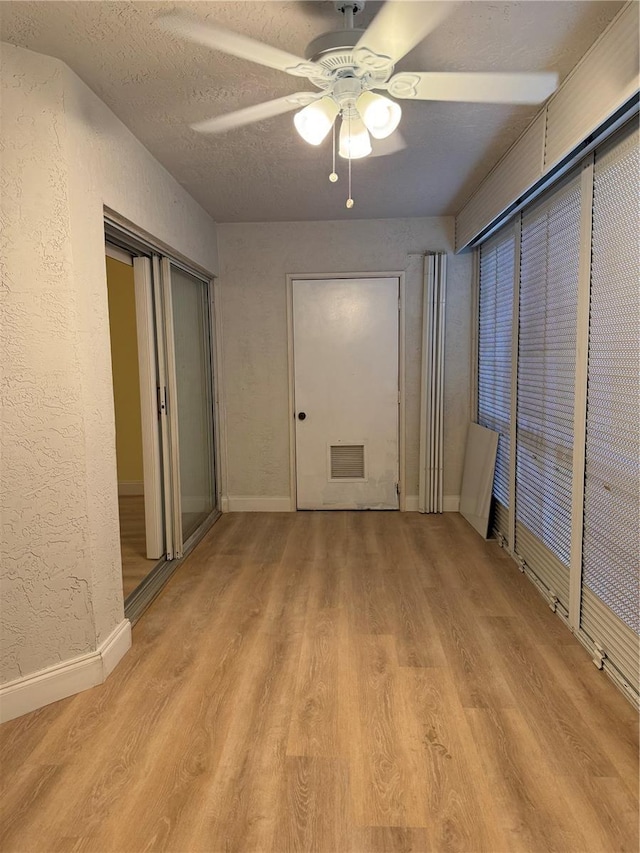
(46, 589)
(65, 156)
(254, 262)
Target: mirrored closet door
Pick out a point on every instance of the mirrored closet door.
(163, 356)
(189, 359)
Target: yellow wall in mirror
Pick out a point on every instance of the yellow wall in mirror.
(124, 361)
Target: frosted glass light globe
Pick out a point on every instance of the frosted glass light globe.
(354, 139)
(315, 121)
(380, 115)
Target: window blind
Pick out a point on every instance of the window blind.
(612, 471)
(494, 358)
(549, 265)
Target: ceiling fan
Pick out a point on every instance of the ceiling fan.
(350, 68)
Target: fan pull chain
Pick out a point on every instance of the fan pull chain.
(333, 177)
(350, 199)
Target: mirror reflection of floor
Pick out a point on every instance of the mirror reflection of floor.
(191, 521)
(135, 566)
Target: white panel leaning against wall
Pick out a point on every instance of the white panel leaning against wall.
(569, 486)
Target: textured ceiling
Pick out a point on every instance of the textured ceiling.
(158, 84)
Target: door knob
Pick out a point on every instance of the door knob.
(301, 416)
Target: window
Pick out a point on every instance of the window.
(497, 267)
(546, 374)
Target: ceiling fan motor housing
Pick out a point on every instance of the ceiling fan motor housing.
(339, 42)
(337, 54)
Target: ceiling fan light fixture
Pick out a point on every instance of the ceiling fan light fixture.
(380, 115)
(355, 142)
(314, 122)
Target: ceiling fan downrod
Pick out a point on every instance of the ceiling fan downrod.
(349, 8)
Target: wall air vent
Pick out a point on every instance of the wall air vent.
(347, 461)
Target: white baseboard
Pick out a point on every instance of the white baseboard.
(115, 648)
(132, 488)
(244, 503)
(248, 503)
(450, 503)
(64, 679)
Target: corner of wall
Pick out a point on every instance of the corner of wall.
(65, 679)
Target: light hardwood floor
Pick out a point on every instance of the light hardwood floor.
(133, 543)
(334, 682)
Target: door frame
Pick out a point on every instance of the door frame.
(291, 277)
(125, 235)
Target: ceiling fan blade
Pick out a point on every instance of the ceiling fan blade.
(492, 88)
(235, 44)
(391, 145)
(399, 27)
(259, 112)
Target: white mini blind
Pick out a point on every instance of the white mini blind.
(612, 473)
(495, 303)
(549, 265)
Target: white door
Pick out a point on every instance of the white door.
(346, 393)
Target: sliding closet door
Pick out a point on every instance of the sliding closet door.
(549, 265)
(495, 300)
(190, 403)
(610, 592)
